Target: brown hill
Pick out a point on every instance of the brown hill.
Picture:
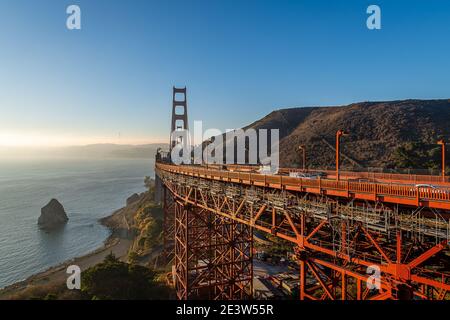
(396, 134)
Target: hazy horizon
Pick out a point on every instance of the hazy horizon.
(97, 150)
(28, 140)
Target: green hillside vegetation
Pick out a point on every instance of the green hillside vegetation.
(116, 280)
(148, 222)
(111, 279)
(412, 155)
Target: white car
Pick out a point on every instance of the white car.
(268, 170)
(436, 189)
(422, 185)
(306, 175)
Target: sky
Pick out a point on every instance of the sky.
(111, 81)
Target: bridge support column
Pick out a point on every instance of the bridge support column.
(168, 226)
(158, 190)
(232, 262)
(213, 255)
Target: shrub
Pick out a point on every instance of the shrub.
(116, 280)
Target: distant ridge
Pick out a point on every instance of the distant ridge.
(115, 150)
(102, 151)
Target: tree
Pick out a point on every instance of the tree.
(149, 183)
(116, 280)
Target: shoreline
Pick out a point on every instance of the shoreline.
(118, 242)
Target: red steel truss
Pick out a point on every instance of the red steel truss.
(213, 255)
(337, 238)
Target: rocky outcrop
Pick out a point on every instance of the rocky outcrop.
(52, 215)
(121, 221)
(132, 199)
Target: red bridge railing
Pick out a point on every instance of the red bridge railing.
(391, 192)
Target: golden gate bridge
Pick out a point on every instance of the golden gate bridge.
(339, 226)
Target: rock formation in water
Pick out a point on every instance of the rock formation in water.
(52, 215)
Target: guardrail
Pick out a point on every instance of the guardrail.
(388, 192)
(367, 175)
(411, 178)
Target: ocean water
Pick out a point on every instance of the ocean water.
(88, 190)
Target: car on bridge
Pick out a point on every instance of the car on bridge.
(307, 175)
(430, 187)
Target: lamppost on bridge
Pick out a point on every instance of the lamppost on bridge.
(442, 143)
(303, 149)
(339, 134)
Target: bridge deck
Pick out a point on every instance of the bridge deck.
(388, 192)
(399, 178)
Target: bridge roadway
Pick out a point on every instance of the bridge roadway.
(390, 227)
(388, 191)
(367, 176)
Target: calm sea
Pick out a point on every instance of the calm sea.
(88, 189)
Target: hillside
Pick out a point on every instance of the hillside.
(395, 134)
